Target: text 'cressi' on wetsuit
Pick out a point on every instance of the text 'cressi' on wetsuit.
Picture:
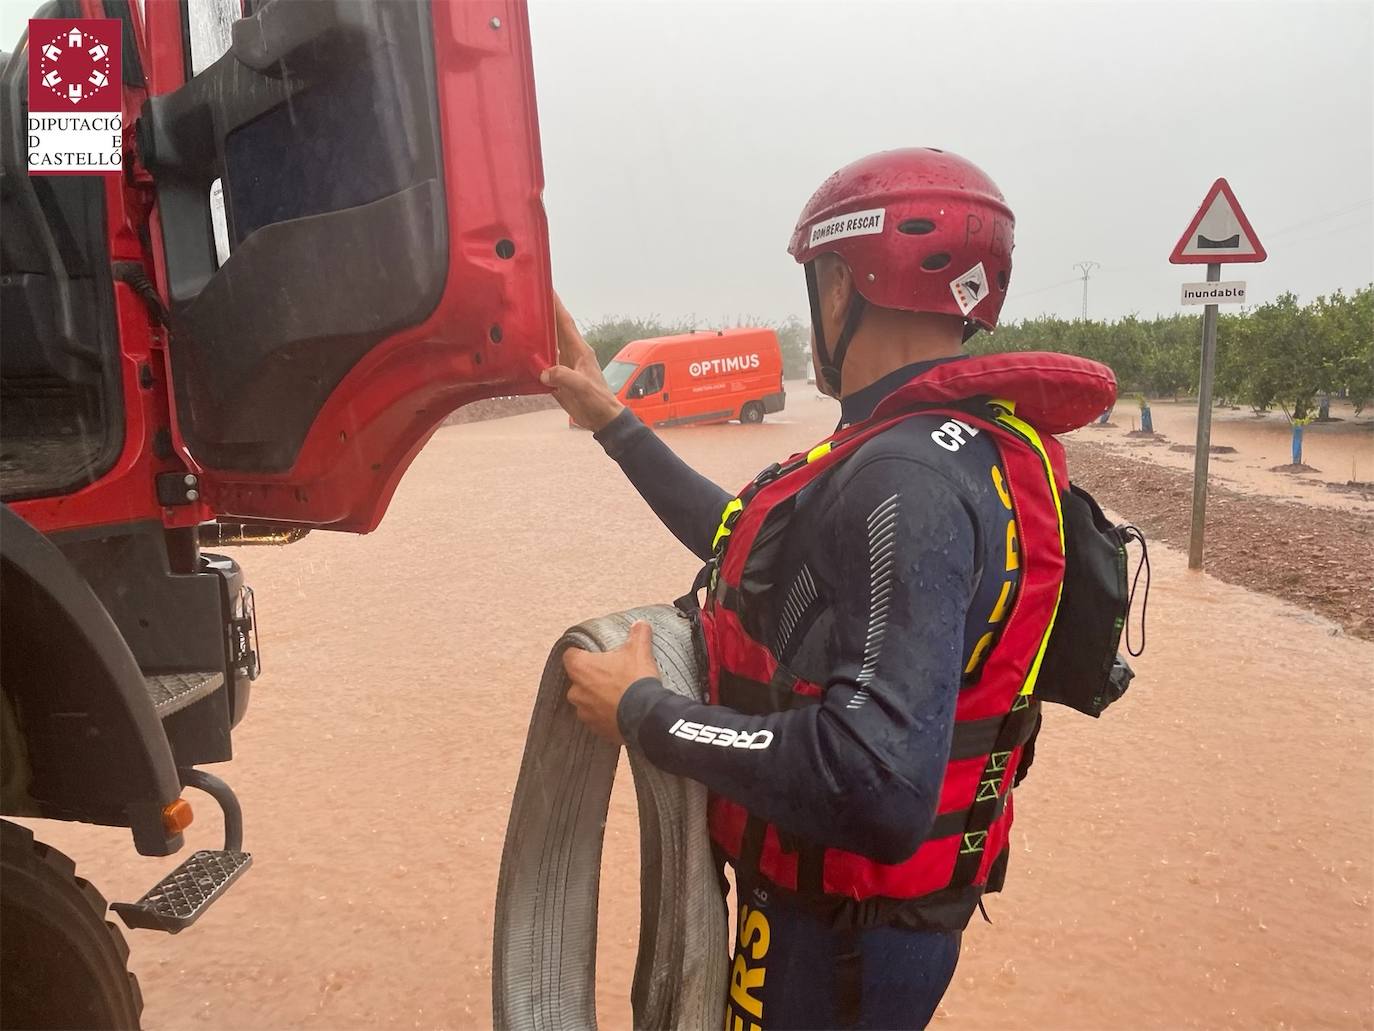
(888, 589)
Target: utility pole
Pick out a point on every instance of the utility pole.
(1087, 268)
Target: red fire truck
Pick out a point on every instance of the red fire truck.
(327, 234)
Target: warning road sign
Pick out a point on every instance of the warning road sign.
(1219, 232)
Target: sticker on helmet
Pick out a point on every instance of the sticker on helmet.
(856, 223)
(970, 288)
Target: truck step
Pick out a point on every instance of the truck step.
(172, 692)
(178, 900)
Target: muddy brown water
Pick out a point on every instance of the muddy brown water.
(1336, 451)
(1199, 858)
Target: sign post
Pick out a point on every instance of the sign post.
(1219, 233)
(1204, 425)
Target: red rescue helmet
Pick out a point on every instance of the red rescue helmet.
(920, 229)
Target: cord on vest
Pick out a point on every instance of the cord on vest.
(1130, 533)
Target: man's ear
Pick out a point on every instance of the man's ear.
(840, 287)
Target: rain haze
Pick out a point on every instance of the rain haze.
(681, 140)
(434, 841)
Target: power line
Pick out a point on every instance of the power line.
(1146, 265)
(1322, 234)
(1042, 289)
(1138, 266)
(1086, 267)
(1309, 223)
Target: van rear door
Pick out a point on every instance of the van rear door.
(350, 233)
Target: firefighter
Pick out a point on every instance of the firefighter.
(873, 653)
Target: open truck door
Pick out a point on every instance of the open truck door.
(350, 235)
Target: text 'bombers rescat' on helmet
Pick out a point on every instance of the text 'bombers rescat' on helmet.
(921, 230)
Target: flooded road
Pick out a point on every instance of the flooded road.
(1199, 858)
(1337, 451)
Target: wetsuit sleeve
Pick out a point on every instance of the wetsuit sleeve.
(862, 769)
(686, 502)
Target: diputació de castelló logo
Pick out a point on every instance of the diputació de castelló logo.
(76, 124)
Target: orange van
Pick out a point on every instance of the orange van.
(703, 377)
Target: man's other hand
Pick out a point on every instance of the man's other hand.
(600, 679)
(577, 382)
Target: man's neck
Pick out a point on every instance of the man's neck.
(860, 404)
(887, 341)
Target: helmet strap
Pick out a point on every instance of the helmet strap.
(832, 364)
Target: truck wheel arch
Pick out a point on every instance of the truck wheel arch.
(93, 747)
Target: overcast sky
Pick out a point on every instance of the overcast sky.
(681, 138)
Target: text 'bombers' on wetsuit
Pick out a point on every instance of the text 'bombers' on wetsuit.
(896, 570)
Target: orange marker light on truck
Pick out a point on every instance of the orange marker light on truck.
(177, 816)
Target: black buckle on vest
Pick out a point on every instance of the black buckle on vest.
(760, 481)
(768, 475)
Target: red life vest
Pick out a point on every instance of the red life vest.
(996, 710)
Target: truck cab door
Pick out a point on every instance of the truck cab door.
(349, 229)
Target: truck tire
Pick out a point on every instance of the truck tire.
(65, 965)
(751, 414)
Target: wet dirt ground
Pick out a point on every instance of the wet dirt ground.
(1336, 452)
(1316, 556)
(1199, 858)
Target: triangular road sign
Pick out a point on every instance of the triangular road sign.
(1219, 232)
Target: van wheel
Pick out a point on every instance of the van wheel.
(751, 414)
(65, 965)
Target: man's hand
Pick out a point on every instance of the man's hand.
(577, 382)
(600, 679)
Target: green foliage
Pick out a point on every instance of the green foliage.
(794, 338)
(1352, 322)
(1280, 353)
(610, 334)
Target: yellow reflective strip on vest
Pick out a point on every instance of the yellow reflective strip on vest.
(1027, 432)
(723, 530)
(736, 505)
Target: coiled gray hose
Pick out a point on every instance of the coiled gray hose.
(544, 947)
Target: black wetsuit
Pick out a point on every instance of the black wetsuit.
(892, 575)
